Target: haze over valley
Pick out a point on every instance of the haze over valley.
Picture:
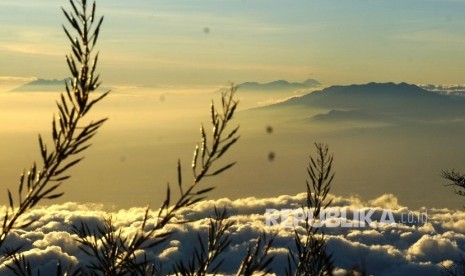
(387, 138)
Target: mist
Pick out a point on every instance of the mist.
(135, 154)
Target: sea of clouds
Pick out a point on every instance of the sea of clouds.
(451, 89)
(403, 248)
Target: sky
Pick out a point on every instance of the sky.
(208, 42)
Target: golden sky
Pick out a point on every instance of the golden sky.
(151, 42)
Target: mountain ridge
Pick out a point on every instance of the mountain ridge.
(46, 85)
(399, 100)
(279, 85)
(42, 85)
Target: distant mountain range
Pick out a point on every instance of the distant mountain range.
(379, 101)
(41, 85)
(278, 86)
(44, 85)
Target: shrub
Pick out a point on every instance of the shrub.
(70, 134)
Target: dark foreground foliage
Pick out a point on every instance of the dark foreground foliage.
(71, 130)
(457, 181)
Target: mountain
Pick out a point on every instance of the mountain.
(42, 85)
(381, 99)
(45, 85)
(279, 85)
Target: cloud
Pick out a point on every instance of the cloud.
(409, 247)
(448, 89)
(434, 249)
(9, 82)
(45, 259)
(32, 49)
(12, 79)
(388, 201)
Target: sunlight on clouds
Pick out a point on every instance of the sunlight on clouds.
(434, 249)
(392, 250)
(16, 80)
(10, 82)
(388, 201)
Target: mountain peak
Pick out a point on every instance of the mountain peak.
(40, 84)
(387, 96)
(371, 88)
(311, 82)
(45, 85)
(279, 82)
(278, 85)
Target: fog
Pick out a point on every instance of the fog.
(134, 155)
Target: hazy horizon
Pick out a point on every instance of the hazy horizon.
(150, 128)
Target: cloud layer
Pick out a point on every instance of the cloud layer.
(413, 245)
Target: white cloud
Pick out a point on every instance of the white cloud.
(33, 49)
(10, 82)
(407, 248)
(11, 79)
(434, 249)
(388, 201)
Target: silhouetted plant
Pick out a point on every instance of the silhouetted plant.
(115, 254)
(205, 256)
(310, 256)
(112, 251)
(257, 260)
(457, 181)
(20, 266)
(457, 268)
(357, 270)
(70, 135)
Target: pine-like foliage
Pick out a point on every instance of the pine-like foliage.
(71, 132)
(310, 256)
